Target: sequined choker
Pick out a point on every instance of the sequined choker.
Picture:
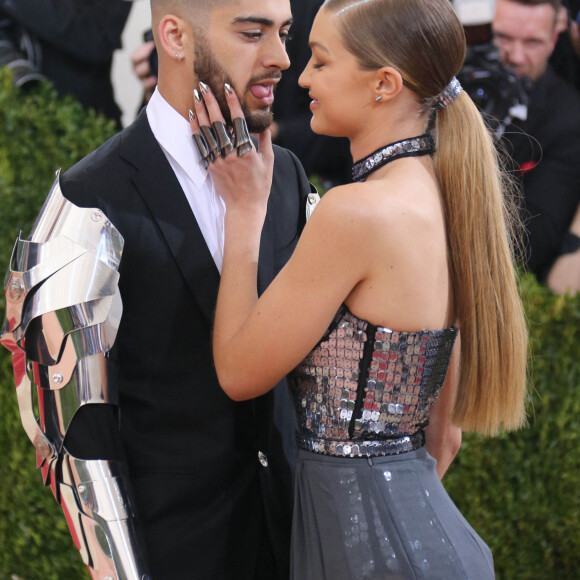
(422, 145)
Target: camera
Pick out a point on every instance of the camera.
(20, 52)
(500, 95)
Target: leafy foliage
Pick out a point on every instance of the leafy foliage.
(520, 491)
(39, 133)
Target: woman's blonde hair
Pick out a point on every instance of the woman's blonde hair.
(425, 42)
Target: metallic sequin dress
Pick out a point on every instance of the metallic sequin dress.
(369, 504)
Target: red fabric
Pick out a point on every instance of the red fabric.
(527, 166)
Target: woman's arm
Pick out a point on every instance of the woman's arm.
(257, 342)
(443, 439)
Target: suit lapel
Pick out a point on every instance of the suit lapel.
(162, 193)
(266, 258)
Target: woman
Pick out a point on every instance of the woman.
(420, 244)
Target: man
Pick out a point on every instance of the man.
(546, 146)
(211, 482)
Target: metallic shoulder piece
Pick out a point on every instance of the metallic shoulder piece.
(63, 309)
(311, 201)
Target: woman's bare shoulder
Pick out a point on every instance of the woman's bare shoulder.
(394, 204)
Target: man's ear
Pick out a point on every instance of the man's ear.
(388, 83)
(173, 37)
(561, 25)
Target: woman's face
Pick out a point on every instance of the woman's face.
(340, 90)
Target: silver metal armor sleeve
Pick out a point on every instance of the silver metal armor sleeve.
(63, 309)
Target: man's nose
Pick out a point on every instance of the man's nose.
(275, 55)
(516, 54)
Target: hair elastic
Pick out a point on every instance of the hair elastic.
(447, 95)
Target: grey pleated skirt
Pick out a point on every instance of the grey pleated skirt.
(383, 518)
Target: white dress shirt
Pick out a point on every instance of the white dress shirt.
(173, 134)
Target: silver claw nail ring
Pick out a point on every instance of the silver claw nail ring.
(211, 140)
(203, 149)
(223, 138)
(242, 141)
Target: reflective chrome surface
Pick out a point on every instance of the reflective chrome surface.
(104, 530)
(63, 304)
(62, 316)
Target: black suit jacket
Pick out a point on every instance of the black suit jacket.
(546, 150)
(208, 507)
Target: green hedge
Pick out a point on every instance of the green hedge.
(521, 491)
(38, 134)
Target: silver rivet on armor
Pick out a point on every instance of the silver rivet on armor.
(96, 216)
(262, 459)
(312, 199)
(15, 288)
(43, 448)
(57, 378)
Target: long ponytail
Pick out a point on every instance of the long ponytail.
(479, 214)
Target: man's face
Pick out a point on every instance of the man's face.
(525, 36)
(245, 45)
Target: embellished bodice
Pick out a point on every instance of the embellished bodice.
(367, 390)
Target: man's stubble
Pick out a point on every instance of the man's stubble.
(208, 70)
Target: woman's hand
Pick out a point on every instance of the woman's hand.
(242, 176)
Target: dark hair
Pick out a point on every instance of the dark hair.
(555, 4)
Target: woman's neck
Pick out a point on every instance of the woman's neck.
(382, 130)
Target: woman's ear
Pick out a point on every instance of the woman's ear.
(388, 84)
(172, 37)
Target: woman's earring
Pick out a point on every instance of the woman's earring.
(178, 56)
(378, 98)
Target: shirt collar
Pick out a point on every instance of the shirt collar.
(173, 133)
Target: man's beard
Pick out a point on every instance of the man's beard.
(210, 71)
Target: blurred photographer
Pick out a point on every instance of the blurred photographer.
(20, 52)
(144, 61)
(545, 143)
(74, 41)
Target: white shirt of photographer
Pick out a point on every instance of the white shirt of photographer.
(173, 134)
